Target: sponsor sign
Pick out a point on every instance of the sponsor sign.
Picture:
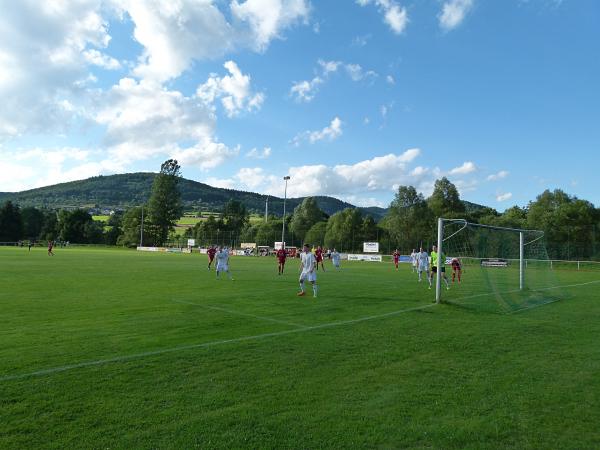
(494, 263)
(372, 258)
(248, 245)
(278, 245)
(371, 247)
(191, 242)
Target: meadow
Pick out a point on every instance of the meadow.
(109, 348)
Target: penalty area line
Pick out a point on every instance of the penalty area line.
(123, 358)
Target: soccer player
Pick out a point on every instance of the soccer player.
(222, 256)
(50, 245)
(281, 255)
(319, 257)
(456, 269)
(396, 256)
(438, 262)
(307, 270)
(335, 258)
(413, 260)
(423, 264)
(211, 252)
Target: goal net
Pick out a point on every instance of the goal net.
(502, 270)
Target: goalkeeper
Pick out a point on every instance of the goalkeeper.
(438, 260)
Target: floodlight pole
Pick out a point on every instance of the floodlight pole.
(286, 178)
(266, 209)
(438, 278)
(521, 261)
(142, 228)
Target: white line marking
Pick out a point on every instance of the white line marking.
(229, 311)
(100, 362)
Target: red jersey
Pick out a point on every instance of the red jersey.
(396, 256)
(211, 253)
(319, 255)
(281, 255)
(456, 264)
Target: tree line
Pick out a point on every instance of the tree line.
(570, 224)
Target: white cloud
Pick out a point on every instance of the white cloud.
(174, 33)
(234, 90)
(144, 119)
(504, 197)
(329, 133)
(453, 13)
(497, 176)
(390, 79)
(259, 154)
(42, 64)
(100, 59)
(466, 168)
(305, 91)
(394, 15)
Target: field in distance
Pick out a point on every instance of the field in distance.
(123, 349)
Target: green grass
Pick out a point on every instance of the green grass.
(101, 218)
(149, 350)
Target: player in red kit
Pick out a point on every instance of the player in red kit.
(456, 269)
(50, 245)
(281, 255)
(319, 257)
(396, 256)
(211, 252)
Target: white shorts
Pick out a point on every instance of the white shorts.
(423, 269)
(310, 276)
(222, 267)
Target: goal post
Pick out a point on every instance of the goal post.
(506, 235)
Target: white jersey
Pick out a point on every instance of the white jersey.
(414, 258)
(308, 261)
(222, 259)
(423, 259)
(335, 257)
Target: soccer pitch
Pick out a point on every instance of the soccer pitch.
(123, 349)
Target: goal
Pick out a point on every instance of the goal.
(505, 269)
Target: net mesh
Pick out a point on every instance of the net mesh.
(490, 269)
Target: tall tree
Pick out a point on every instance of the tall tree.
(316, 234)
(235, 216)
(305, 216)
(445, 201)
(409, 221)
(131, 223)
(164, 206)
(33, 221)
(11, 222)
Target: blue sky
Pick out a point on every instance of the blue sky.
(351, 98)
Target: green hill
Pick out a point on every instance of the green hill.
(131, 189)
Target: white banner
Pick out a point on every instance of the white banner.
(191, 242)
(371, 247)
(372, 258)
(148, 249)
(278, 245)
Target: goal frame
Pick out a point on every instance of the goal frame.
(441, 239)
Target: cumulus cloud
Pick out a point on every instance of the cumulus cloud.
(497, 176)
(394, 15)
(234, 90)
(466, 168)
(329, 133)
(306, 90)
(503, 197)
(43, 68)
(100, 59)
(259, 154)
(453, 13)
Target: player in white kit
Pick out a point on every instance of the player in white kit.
(335, 258)
(414, 260)
(223, 262)
(308, 265)
(423, 264)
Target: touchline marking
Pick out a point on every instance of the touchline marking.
(100, 362)
(229, 311)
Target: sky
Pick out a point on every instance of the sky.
(351, 98)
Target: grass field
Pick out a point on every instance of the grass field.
(123, 349)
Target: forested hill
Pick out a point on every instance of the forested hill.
(132, 189)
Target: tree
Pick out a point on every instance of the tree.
(235, 216)
(50, 225)
(344, 230)
(130, 235)
(11, 223)
(316, 234)
(305, 216)
(445, 201)
(114, 230)
(164, 206)
(78, 226)
(33, 221)
(409, 221)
